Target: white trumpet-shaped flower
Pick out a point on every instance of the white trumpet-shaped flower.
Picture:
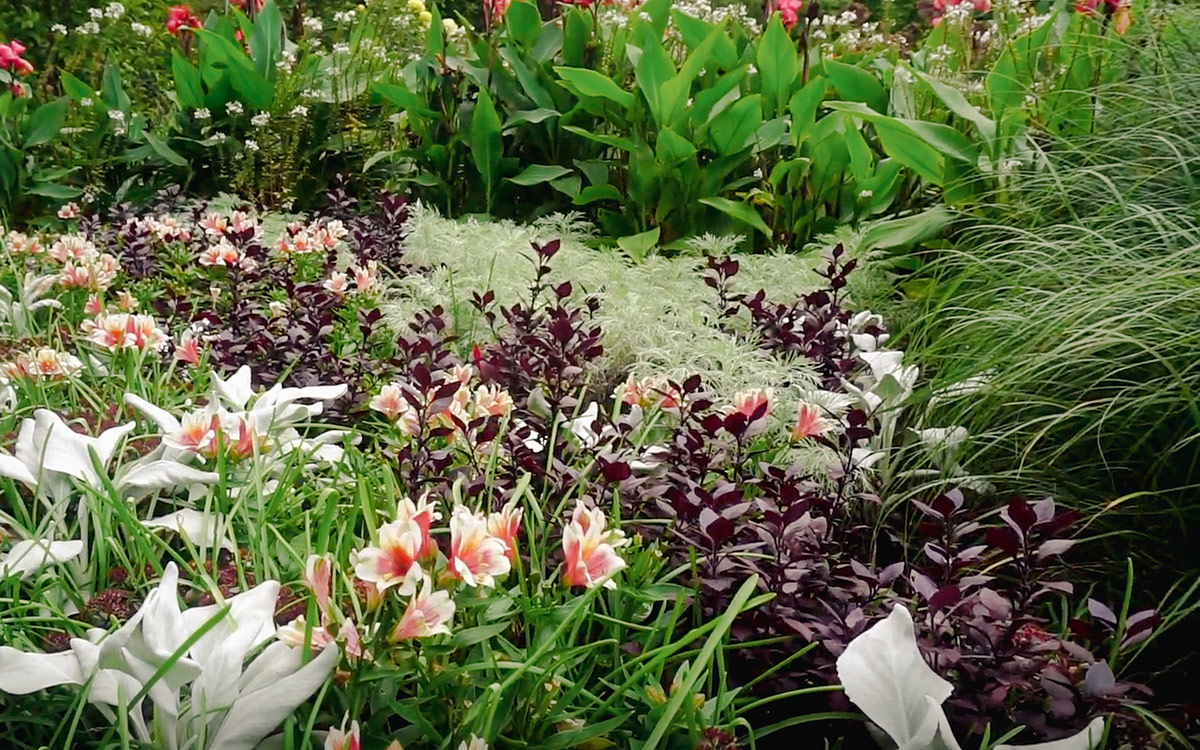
(208, 690)
(884, 674)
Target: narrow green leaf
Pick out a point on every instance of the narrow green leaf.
(75, 88)
(857, 85)
(266, 39)
(486, 141)
(523, 22)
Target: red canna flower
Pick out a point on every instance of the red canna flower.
(180, 18)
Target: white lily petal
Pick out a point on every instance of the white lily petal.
(882, 363)
(31, 555)
(256, 714)
(22, 673)
(195, 527)
(162, 623)
(163, 474)
(276, 662)
(237, 390)
(13, 468)
(934, 733)
(884, 674)
(253, 610)
(161, 417)
(1085, 740)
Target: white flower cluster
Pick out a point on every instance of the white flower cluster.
(88, 28)
(706, 10)
(141, 29)
(343, 16)
(114, 11)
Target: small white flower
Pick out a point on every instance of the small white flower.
(114, 10)
(343, 16)
(234, 108)
(91, 27)
(86, 101)
(313, 24)
(218, 137)
(202, 114)
(341, 48)
(59, 28)
(751, 69)
(251, 144)
(95, 14)
(866, 194)
(299, 111)
(261, 119)
(116, 115)
(141, 29)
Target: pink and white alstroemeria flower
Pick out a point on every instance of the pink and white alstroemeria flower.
(423, 514)
(121, 331)
(318, 578)
(476, 557)
(428, 613)
(342, 738)
(337, 284)
(505, 525)
(188, 348)
(296, 633)
(391, 403)
(590, 549)
(492, 400)
(885, 675)
(395, 561)
(809, 422)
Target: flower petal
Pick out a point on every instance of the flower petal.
(1085, 740)
(31, 555)
(22, 673)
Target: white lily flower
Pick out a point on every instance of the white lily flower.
(31, 555)
(18, 312)
(195, 527)
(49, 454)
(208, 692)
(885, 675)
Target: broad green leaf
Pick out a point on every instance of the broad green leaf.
(672, 148)
(528, 80)
(187, 82)
(696, 31)
(400, 96)
(674, 94)
(608, 140)
(803, 108)
(638, 246)
(577, 32)
(75, 88)
(523, 22)
(54, 191)
(536, 174)
(909, 230)
(594, 193)
(653, 71)
(1004, 87)
(162, 149)
(568, 186)
(266, 39)
(485, 141)
(435, 40)
(734, 129)
(114, 93)
(958, 104)
(857, 85)
(778, 65)
(255, 90)
(899, 141)
(590, 84)
(45, 122)
(531, 116)
(740, 211)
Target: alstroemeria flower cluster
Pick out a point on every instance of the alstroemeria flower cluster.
(166, 227)
(365, 279)
(123, 331)
(41, 363)
(319, 235)
(84, 266)
(449, 403)
(19, 243)
(590, 549)
(648, 392)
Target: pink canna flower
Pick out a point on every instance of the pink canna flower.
(10, 59)
(180, 19)
(476, 557)
(589, 550)
(342, 738)
(394, 561)
(423, 514)
(789, 12)
(809, 422)
(495, 10)
(318, 578)
(506, 526)
(428, 613)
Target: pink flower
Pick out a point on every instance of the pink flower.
(93, 306)
(809, 422)
(648, 392)
(492, 400)
(589, 550)
(495, 9)
(428, 613)
(755, 406)
(476, 557)
(318, 578)
(42, 363)
(214, 225)
(983, 6)
(365, 278)
(789, 12)
(69, 211)
(349, 633)
(73, 247)
(197, 433)
(506, 526)
(20, 243)
(394, 561)
(181, 19)
(423, 514)
(392, 404)
(188, 349)
(10, 59)
(221, 254)
(296, 632)
(337, 284)
(126, 301)
(343, 739)
(124, 331)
